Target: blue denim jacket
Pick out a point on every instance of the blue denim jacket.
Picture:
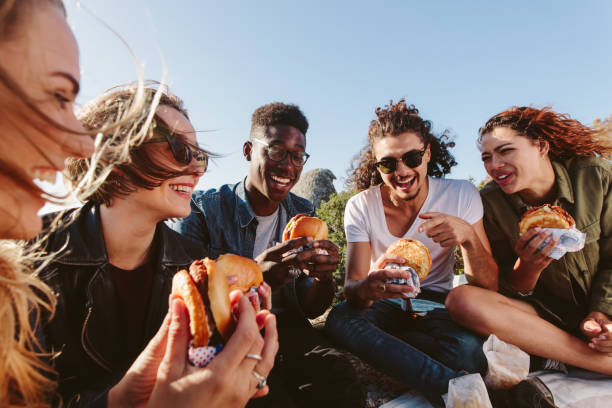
(223, 220)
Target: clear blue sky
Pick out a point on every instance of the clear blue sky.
(458, 62)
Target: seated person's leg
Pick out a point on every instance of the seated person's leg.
(315, 372)
(438, 336)
(518, 323)
(361, 332)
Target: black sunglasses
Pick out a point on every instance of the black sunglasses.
(182, 151)
(412, 159)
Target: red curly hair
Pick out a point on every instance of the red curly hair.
(566, 137)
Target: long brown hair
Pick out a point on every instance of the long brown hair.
(566, 137)
(133, 170)
(393, 120)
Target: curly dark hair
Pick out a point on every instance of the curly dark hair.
(393, 120)
(278, 113)
(566, 137)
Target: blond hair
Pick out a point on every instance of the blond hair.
(25, 379)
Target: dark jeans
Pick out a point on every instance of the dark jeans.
(309, 372)
(423, 352)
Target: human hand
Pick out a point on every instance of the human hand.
(528, 249)
(228, 380)
(265, 296)
(374, 286)
(137, 384)
(320, 261)
(274, 266)
(446, 230)
(597, 327)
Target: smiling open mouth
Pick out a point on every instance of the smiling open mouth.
(407, 183)
(282, 181)
(180, 188)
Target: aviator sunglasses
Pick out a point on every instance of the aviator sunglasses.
(278, 154)
(182, 151)
(412, 159)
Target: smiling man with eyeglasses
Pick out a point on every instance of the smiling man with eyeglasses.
(248, 219)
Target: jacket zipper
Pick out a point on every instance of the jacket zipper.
(87, 350)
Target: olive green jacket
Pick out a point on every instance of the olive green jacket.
(579, 282)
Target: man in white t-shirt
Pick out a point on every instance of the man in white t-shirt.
(403, 196)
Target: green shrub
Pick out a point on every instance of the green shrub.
(332, 212)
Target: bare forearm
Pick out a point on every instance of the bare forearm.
(480, 267)
(353, 294)
(523, 278)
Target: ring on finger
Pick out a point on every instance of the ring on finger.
(261, 380)
(254, 356)
(383, 288)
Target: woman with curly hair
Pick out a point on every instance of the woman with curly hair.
(403, 195)
(555, 309)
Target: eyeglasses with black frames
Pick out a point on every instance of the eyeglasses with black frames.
(278, 153)
(412, 159)
(182, 151)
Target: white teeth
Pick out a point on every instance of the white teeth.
(410, 180)
(49, 176)
(503, 177)
(181, 188)
(281, 180)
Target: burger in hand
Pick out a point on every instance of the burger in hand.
(205, 291)
(304, 226)
(417, 261)
(546, 216)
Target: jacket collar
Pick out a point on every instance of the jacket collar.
(245, 212)
(564, 186)
(87, 246)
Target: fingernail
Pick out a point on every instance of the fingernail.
(260, 319)
(591, 345)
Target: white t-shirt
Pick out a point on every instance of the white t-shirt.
(265, 236)
(364, 221)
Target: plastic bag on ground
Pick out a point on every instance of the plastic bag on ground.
(508, 364)
(468, 391)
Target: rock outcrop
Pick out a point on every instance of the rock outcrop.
(316, 185)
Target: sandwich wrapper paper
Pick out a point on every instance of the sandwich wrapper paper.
(570, 240)
(413, 280)
(200, 356)
(468, 391)
(508, 364)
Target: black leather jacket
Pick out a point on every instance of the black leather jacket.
(84, 328)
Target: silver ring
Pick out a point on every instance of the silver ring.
(261, 380)
(383, 287)
(254, 356)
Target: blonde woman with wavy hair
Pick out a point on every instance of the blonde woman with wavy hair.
(39, 75)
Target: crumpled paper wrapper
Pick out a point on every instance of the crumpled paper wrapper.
(508, 364)
(414, 280)
(468, 391)
(571, 240)
(200, 356)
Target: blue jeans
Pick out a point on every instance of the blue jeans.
(422, 352)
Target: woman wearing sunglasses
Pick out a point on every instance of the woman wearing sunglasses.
(113, 269)
(403, 196)
(556, 309)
